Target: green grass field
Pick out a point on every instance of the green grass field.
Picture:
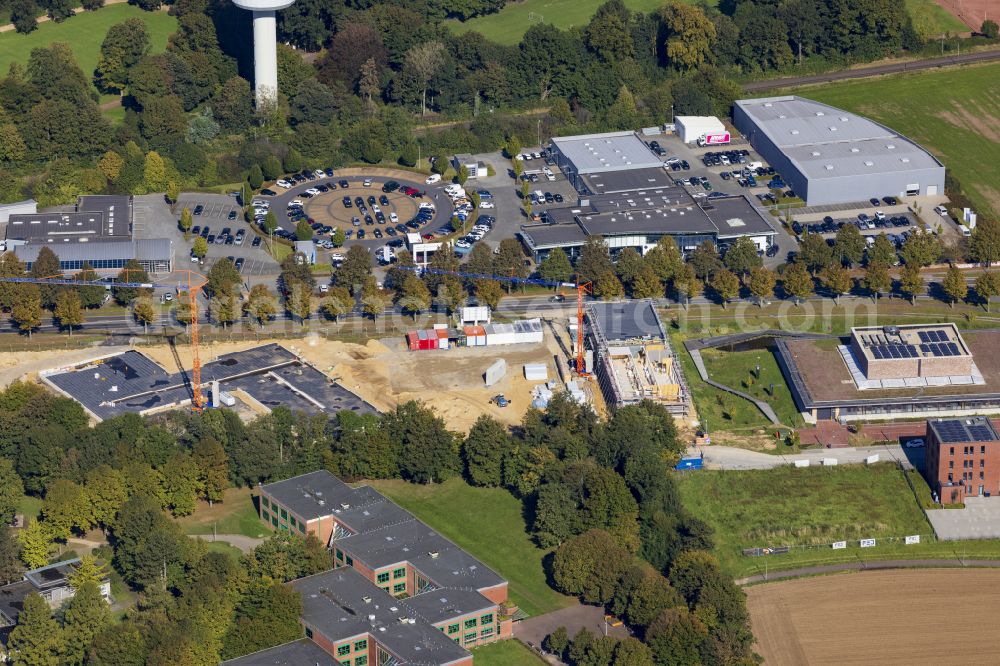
(952, 112)
(738, 370)
(236, 514)
(506, 653)
(84, 33)
(509, 24)
(811, 508)
(488, 522)
(933, 19)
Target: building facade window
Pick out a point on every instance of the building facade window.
(274, 520)
(265, 515)
(344, 650)
(486, 619)
(488, 631)
(361, 661)
(350, 561)
(470, 624)
(399, 587)
(361, 645)
(383, 577)
(264, 501)
(284, 514)
(452, 628)
(399, 573)
(470, 637)
(340, 555)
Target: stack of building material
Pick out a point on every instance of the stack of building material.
(573, 388)
(540, 396)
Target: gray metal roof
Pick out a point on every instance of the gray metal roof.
(736, 216)
(150, 249)
(627, 181)
(341, 604)
(666, 220)
(302, 652)
(626, 320)
(311, 495)
(444, 604)
(96, 217)
(540, 236)
(612, 151)
(826, 142)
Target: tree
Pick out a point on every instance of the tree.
(337, 303)
(180, 483)
(59, 10)
(11, 567)
(676, 637)
(255, 177)
(68, 310)
(355, 270)
(85, 616)
(911, 282)
(414, 296)
(374, 299)
(37, 640)
(36, 541)
(186, 220)
(12, 147)
(200, 247)
(647, 284)
(88, 570)
(261, 304)
(429, 451)
(555, 266)
(271, 222)
(922, 249)
(882, 251)
(623, 113)
(26, 310)
(91, 296)
(557, 642)
(726, 285)
(106, 493)
(173, 192)
(369, 84)
(588, 566)
(489, 292)
(954, 285)
(762, 282)
(46, 265)
(65, 508)
(686, 283)
(231, 105)
(24, 15)
(213, 468)
(849, 245)
(814, 252)
(690, 34)
(425, 59)
(990, 29)
(10, 266)
(594, 260)
(742, 257)
(609, 287)
(837, 279)
(987, 287)
(292, 161)
(135, 273)
(796, 281)
(303, 231)
(877, 280)
(11, 490)
(123, 47)
(271, 166)
(484, 450)
(984, 246)
(705, 260)
(144, 312)
(298, 301)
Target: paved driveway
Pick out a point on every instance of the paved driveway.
(980, 519)
(731, 458)
(533, 630)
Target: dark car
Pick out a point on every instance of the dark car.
(309, 174)
(361, 234)
(359, 202)
(211, 239)
(369, 220)
(323, 187)
(371, 200)
(268, 193)
(347, 202)
(873, 201)
(239, 263)
(890, 201)
(256, 242)
(343, 184)
(772, 251)
(389, 231)
(395, 242)
(195, 230)
(383, 200)
(401, 228)
(232, 215)
(198, 209)
(377, 233)
(329, 173)
(205, 231)
(390, 186)
(299, 178)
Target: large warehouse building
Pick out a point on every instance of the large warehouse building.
(830, 156)
(586, 154)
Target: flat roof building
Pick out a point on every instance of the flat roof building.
(962, 458)
(633, 357)
(830, 156)
(155, 255)
(587, 154)
(932, 353)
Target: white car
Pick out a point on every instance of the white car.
(426, 205)
(462, 244)
(393, 218)
(376, 209)
(487, 204)
(283, 183)
(433, 178)
(914, 443)
(313, 191)
(323, 288)
(367, 182)
(295, 203)
(481, 228)
(336, 256)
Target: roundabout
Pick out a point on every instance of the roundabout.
(373, 207)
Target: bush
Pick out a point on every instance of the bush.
(990, 29)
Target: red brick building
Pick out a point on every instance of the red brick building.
(963, 458)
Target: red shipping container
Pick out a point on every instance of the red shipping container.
(441, 333)
(412, 341)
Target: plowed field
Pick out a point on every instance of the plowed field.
(928, 616)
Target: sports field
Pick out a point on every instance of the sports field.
(509, 24)
(84, 33)
(954, 113)
(489, 523)
(929, 616)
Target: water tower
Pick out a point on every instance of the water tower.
(265, 47)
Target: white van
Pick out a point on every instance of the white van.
(539, 196)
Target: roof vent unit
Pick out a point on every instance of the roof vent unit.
(890, 146)
(843, 119)
(904, 160)
(768, 105)
(869, 163)
(434, 554)
(366, 599)
(832, 128)
(855, 150)
(794, 132)
(828, 167)
(820, 113)
(815, 153)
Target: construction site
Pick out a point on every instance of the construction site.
(633, 357)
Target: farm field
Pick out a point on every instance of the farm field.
(84, 33)
(954, 113)
(878, 617)
(489, 523)
(509, 24)
(811, 508)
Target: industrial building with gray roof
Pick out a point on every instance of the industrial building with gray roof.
(830, 156)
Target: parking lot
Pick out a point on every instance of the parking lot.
(219, 212)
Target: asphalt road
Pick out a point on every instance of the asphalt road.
(878, 70)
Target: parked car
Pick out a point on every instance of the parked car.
(487, 205)
(256, 242)
(432, 179)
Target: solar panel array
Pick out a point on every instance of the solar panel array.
(933, 336)
(941, 349)
(954, 430)
(894, 350)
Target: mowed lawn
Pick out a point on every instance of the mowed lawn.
(487, 522)
(506, 653)
(738, 370)
(954, 113)
(84, 33)
(236, 514)
(509, 24)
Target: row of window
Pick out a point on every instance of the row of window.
(358, 661)
(345, 649)
(485, 620)
(966, 476)
(274, 521)
(396, 574)
(967, 450)
(345, 559)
